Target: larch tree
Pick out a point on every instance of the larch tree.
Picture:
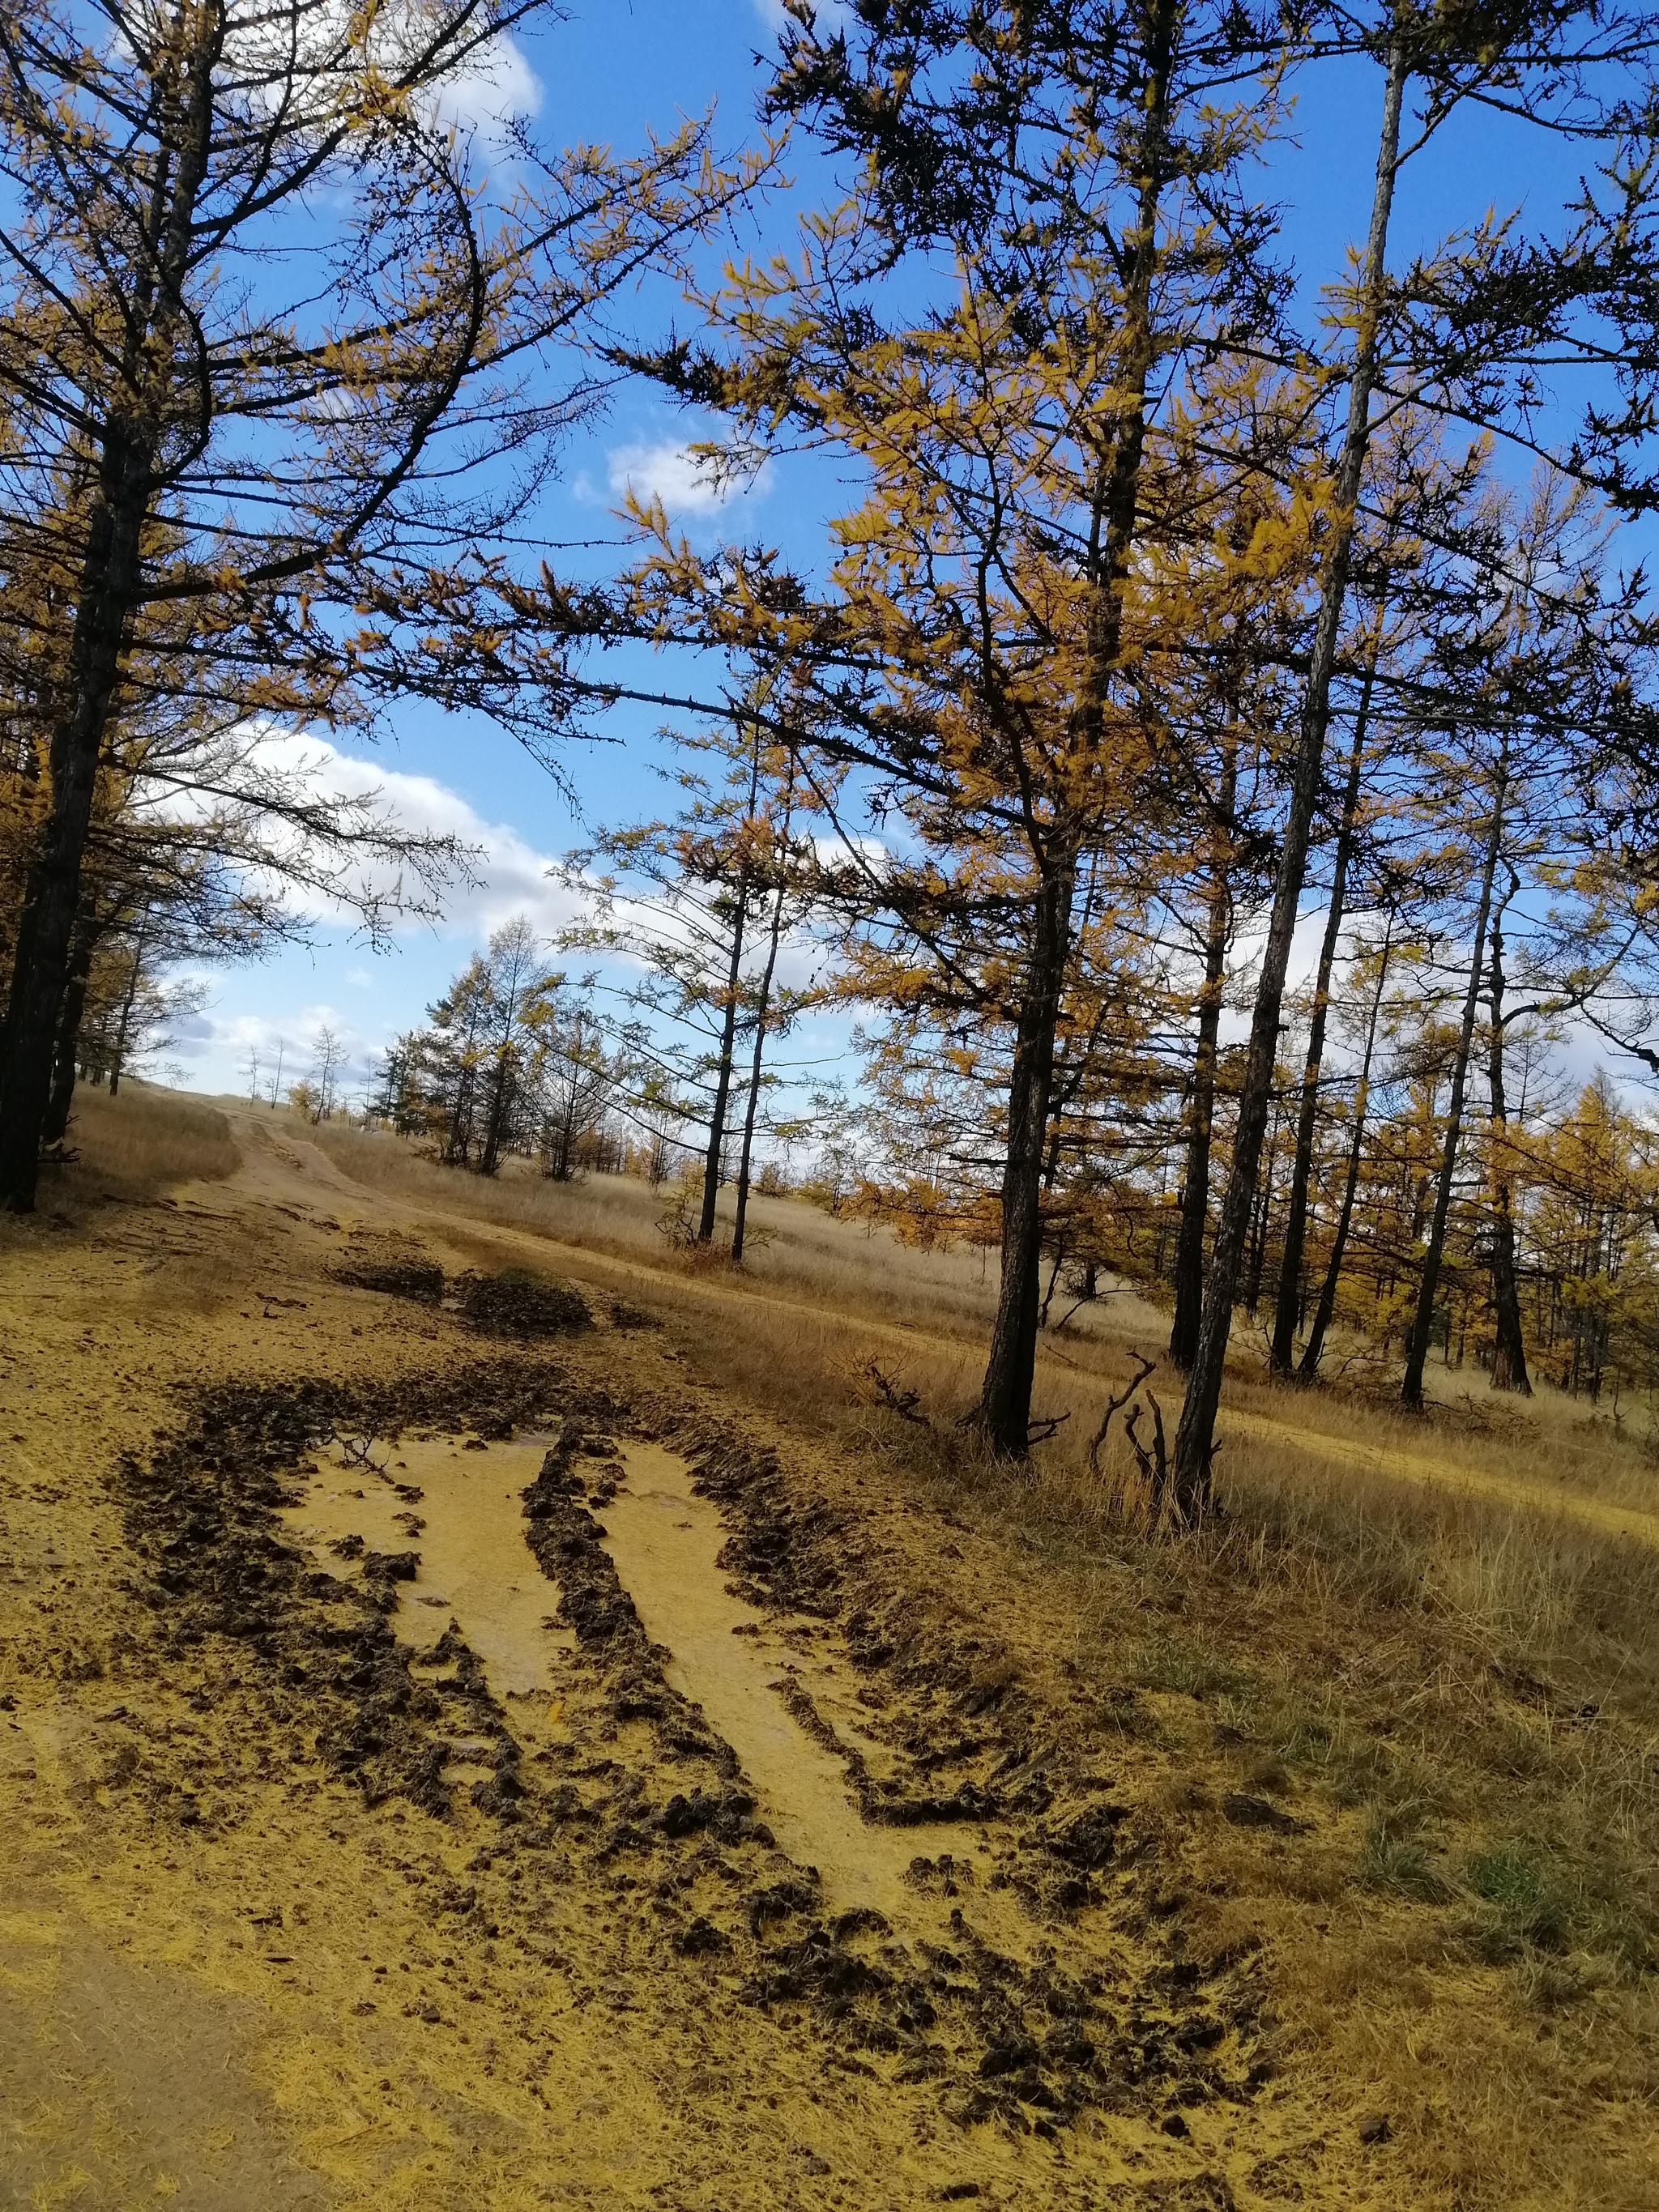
(1508, 737)
(1370, 980)
(985, 664)
(690, 911)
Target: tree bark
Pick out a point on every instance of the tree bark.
(55, 1126)
(1315, 1346)
(711, 1171)
(1417, 1348)
(1289, 1302)
(1195, 1188)
(110, 589)
(500, 1092)
(1258, 1244)
(1509, 1364)
(123, 1027)
(1004, 1406)
(740, 1224)
(1195, 1436)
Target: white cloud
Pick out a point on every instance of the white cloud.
(269, 1010)
(364, 1004)
(500, 87)
(301, 59)
(672, 473)
(509, 874)
(286, 1045)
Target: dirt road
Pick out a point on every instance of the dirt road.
(441, 1768)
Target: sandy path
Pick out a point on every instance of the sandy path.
(281, 1166)
(737, 1666)
(311, 1902)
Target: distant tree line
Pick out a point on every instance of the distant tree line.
(518, 1058)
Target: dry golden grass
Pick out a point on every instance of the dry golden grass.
(857, 1266)
(136, 1143)
(1436, 1642)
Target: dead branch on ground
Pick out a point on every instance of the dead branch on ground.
(1042, 1426)
(907, 1404)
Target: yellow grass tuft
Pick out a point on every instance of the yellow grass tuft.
(136, 1145)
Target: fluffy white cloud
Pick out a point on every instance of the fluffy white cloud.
(250, 1051)
(501, 88)
(279, 1008)
(505, 873)
(300, 56)
(672, 473)
(278, 1011)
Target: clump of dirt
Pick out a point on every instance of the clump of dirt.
(516, 1303)
(629, 1317)
(847, 1976)
(420, 1279)
(565, 1539)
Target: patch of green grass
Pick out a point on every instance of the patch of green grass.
(1166, 1665)
(1391, 1860)
(1307, 1743)
(1531, 1904)
(1537, 1904)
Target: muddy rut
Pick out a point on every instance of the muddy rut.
(850, 1832)
(603, 1639)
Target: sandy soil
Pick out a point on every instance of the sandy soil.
(439, 1770)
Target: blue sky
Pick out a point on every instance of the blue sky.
(614, 70)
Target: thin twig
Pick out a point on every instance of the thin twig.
(1042, 1427)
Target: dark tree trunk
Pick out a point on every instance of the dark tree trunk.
(1195, 1187)
(500, 1098)
(739, 1226)
(711, 1170)
(1315, 1346)
(1195, 1436)
(108, 594)
(1291, 1294)
(1417, 1348)
(55, 1127)
(1004, 1406)
(1508, 1363)
(123, 1027)
(1258, 1250)
(714, 1156)
(1004, 1412)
